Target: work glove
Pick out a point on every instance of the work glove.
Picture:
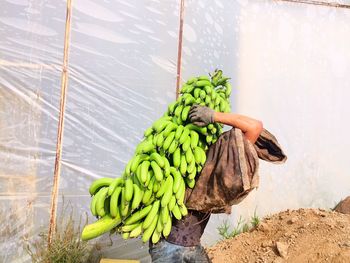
(201, 115)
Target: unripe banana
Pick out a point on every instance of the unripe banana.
(190, 182)
(196, 92)
(202, 94)
(223, 104)
(103, 225)
(157, 171)
(156, 186)
(193, 174)
(167, 228)
(198, 101)
(149, 231)
(207, 100)
(124, 205)
(147, 196)
(171, 126)
(184, 88)
(183, 165)
(130, 227)
(136, 232)
(173, 146)
(164, 214)
(172, 203)
(179, 131)
(114, 202)
(204, 77)
(128, 166)
(144, 170)
(137, 216)
(194, 138)
(202, 130)
(177, 178)
(178, 111)
(191, 80)
(209, 90)
(186, 145)
(209, 139)
(138, 195)
(184, 113)
(93, 204)
(160, 124)
(183, 210)
(199, 155)
(160, 224)
(217, 102)
(100, 202)
(189, 156)
(180, 194)
(166, 166)
(138, 175)
(162, 188)
(191, 167)
(177, 157)
(129, 189)
(151, 200)
(228, 89)
(126, 235)
(137, 160)
(151, 182)
(152, 215)
(184, 135)
(176, 212)
(168, 191)
(99, 183)
(168, 141)
(156, 236)
(145, 147)
(155, 139)
(189, 101)
(149, 176)
(160, 139)
(171, 108)
(203, 83)
(156, 157)
(148, 132)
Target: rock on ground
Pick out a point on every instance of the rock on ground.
(343, 206)
(303, 235)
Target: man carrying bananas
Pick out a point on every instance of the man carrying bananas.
(229, 174)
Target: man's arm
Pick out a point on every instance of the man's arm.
(202, 116)
(249, 126)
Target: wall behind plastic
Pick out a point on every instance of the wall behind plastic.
(292, 74)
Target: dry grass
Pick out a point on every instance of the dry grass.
(66, 246)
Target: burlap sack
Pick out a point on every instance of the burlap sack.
(231, 171)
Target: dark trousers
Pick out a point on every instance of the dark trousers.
(165, 252)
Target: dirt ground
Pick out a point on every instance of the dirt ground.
(303, 235)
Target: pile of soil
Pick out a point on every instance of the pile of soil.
(303, 235)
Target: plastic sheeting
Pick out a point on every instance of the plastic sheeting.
(122, 74)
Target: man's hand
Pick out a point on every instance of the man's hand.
(201, 115)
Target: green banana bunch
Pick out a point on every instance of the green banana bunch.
(151, 191)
